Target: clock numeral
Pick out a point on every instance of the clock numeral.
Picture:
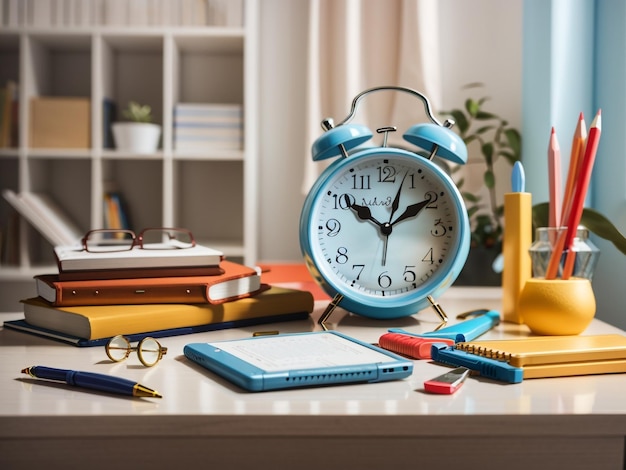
(409, 274)
(429, 257)
(384, 280)
(342, 255)
(361, 182)
(432, 197)
(360, 268)
(386, 174)
(333, 226)
(343, 201)
(439, 230)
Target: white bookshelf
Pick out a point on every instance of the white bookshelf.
(162, 60)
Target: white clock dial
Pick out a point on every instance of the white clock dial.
(385, 224)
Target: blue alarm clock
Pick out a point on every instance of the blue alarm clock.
(385, 230)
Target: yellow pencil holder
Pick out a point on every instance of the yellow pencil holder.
(557, 306)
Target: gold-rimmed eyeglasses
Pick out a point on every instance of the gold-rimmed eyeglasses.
(106, 240)
(149, 350)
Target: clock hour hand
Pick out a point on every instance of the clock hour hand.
(411, 211)
(362, 212)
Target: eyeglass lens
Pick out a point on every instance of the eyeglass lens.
(106, 240)
(149, 350)
(162, 238)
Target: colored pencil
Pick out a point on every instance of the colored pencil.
(554, 179)
(580, 191)
(575, 160)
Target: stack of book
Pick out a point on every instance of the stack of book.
(207, 126)
(156, 293)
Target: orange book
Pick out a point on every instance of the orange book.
(236, 281)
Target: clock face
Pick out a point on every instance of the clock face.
(385, 228)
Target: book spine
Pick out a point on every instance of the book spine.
(73, 297)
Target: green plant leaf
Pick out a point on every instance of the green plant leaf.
(490, 179)
(592, 219)
(470, 197)
(472, 107)
(514, 139)
(484, 116)
(460, 120)
(487, 150)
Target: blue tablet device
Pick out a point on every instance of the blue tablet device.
(298, 360)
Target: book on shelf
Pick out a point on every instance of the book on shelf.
(115, 211)
(9, 106)
(74, 258)
(105, 321)
(235, 282)
(200, 126)
(45, 215)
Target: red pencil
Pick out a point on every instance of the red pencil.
(580, 191)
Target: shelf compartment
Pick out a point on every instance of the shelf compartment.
(208, 200)
(140, 184)
(132, 70)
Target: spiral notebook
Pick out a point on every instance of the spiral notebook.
(536, 357)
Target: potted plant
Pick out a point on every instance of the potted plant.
(139, 134)
(489, 138)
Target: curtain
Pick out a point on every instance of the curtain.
(354, 45)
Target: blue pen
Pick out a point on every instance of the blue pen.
(100, 382)
(461, 332)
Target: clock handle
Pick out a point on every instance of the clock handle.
(329, 311)
(357, 99)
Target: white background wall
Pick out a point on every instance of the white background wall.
(481, 41)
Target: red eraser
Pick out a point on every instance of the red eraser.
(447, 383)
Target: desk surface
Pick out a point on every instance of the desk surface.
(199, 403)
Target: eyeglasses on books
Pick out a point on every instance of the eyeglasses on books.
(106, 240)
(149, 350)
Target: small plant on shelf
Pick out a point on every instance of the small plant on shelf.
(138, 134)
(137, 112)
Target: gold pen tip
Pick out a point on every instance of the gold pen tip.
(142, 391)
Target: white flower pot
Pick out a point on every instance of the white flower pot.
(136, 137)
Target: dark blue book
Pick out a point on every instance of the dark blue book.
(21, 325)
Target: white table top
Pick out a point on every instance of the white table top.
(188, 389)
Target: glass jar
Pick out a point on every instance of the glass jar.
(586, 252)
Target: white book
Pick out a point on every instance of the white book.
(55, 217)
(238, 120)
(209, 130)
(206, 146)
(38, 222)
(74, 258)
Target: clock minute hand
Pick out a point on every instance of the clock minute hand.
(396, 201)
(411, 211)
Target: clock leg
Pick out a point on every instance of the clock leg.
(329, 310)
(439, 310)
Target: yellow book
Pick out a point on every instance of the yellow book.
(104, 321)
